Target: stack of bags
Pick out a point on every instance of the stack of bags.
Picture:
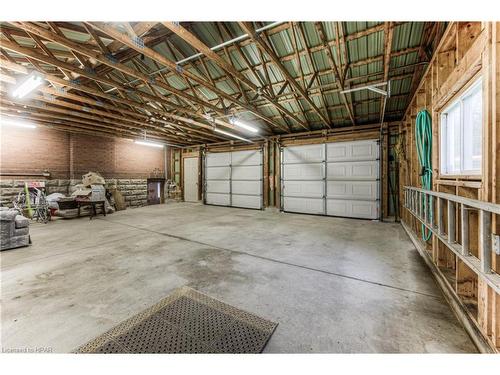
(91, 189)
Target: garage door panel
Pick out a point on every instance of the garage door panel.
(352, 208)
(352, 151)
(219, 159)
(246, 172)
(234, 179)
(303, 171)
(218, 173)
(304, 205)
(366, 190)
(247, 187)
(252, 157)
(218, 199)
(304, 154)
(247, 201)
(215, 186)
(314, 189)
(358, 170)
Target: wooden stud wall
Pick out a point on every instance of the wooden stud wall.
(467, 51)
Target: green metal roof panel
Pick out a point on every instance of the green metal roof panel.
(281, 43)
(366, 69)
(311, 34)
(251, 53)
(397, 62)
(365, 47)
(400, 86)
(329, 29)
(407, 35)
(207, 32)
(320, 60)
(355, 27)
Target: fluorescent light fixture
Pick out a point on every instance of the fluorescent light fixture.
(217, 130)
(243, 125)
(148, 143)
(31, 83)
(20, 124)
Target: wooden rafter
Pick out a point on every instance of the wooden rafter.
(126, 86)
(230, 69)
(249, 29)
(334, 67)
(116, 34)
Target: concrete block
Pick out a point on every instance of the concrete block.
(18, 183)
(6, 183)
(56, 189)
(123, 182)
(10, 191)
(138, 181)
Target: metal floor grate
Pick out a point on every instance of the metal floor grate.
(187, 321)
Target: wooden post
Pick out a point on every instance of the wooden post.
(465, 229)
(451, 222)
(485, 240)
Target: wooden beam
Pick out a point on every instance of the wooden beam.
(249, 29)
(388, 35)
(192, 40)
(148, 109)
(336, 72)
(111, 31)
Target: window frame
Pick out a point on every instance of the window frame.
(477, 84)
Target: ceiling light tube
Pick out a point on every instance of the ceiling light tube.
(148, 143)
(243, 125)
(217, 130)
(31, 83)
(19, 124)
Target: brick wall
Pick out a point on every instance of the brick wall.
(113, 157)
(124, 164)
(34, 150)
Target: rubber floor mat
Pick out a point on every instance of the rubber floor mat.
(186, 321)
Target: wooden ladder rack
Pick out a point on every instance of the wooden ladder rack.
(418, 202)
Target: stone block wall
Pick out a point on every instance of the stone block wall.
(135, 191)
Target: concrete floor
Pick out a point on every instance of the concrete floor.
(333, 285)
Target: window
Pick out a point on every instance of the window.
(461, 134)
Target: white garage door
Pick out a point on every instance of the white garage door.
(335, 179)
(234, 179)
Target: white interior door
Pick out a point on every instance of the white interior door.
(336, 179)
(191, 174)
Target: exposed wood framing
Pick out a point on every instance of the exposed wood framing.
(467, 51)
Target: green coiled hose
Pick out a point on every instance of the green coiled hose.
(423, 137)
